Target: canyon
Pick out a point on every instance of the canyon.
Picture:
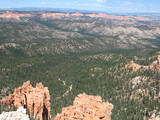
(108, 55)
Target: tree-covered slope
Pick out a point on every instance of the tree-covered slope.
(50, 35)
(101, 73)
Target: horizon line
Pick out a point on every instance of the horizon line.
(76, 10)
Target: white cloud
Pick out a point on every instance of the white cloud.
(102, 0)
(43, 3)
(76, 2)
(141, 5)
(127, 3)
(86, 5)
(97, 5)
(130, 9)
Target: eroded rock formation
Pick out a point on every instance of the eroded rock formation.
(133, 66)
(36, 100)
(154, 66)
(94, 15)
(155, 118)
(20, 114)
(87, 107)
(14, 15)
(118, 17)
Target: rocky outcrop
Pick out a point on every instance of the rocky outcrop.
(155, 118)
(36, 100)
(118, 17)
(138, 81)
(154, 66)
(55, 15)
(17, 16)
(132, 65)
(20, 114)
(94, 15)
(60, 15)
(87, 107)
(77, 14)
(13, 15)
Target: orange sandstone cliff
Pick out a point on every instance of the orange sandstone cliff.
(14, 15)
(87, 107)
(36, 100)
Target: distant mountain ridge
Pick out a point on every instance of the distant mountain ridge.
(58, 32)
(17, 15)
(48, 9)
(73, 10)
(76, 52)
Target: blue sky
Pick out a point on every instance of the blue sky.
(123, 6)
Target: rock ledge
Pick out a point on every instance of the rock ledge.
(87, 107)
(36, 100)
(20, 114)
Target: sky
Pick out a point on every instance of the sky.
(109, 6)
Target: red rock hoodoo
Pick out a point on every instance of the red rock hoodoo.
(36, 100)
(87, 107)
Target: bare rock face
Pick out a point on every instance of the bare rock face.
(87, 107)
(155, 118)
(138, 81)
(154, 66)
(117, 17)
(55, 15)
(77, 14)
(20, 114)
(13, 15)
(133, 65)
(94, 15)
(36, 100)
